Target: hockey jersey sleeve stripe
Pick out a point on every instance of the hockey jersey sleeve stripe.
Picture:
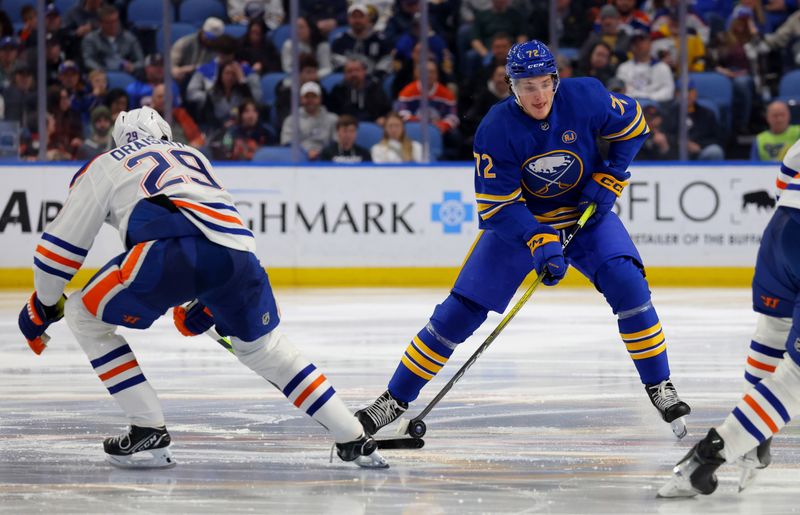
(81, 172)
(485, 215)
(296, 380)
(634, 123)
(220, 228)
(649, 353)
(309, 390)
(110, 356)
(58, 259)
(650, 331)
(767, 351)
(64, 244)
(220, 205)
(208, 212)
(749, 426)
(774, 401)
(118, 370)
(759, 365)
(788, 172)
(499, 198)
(133, 381)
(321, 401)
(763, 415)
(52, 271)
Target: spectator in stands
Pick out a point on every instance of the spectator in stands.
(404, 72)
(442, 112)
(82, 18)
(401, 19)
(184, 128)
(117, 101)
(702, 128)
(242, 139)
(597, 63)
(27, 34)
(494, 90)
(665, 21)
(312, 43)
(631, 18)
(658, 146)
(245, 11)
(192, 50)
(257, 50)
(760, 18)
(345, 150)
(53, 57)
(21, 99)
(611, 33)
(69, 77)
(396, 146)
(326, 16)
(358, 94)
(55, 28)
(283, 91)
(67, 136)
(110, 47)
(229, 91)
(437, 46)
(361, 39)
(500, 18)
(644, 77)
(9, 52)
(100, 139)
(470, 8)
(94, 97)
(772, 144)
(140, 91)
(775, 12)
(667, 26)
(788, 32)
(317, 125)
(572, 23)
(565, 68)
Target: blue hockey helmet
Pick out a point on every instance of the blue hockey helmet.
(531, 59)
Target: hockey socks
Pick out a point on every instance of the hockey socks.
(641, 332)
(277, 360)
(767, 348)
(763, 410)
(423, 359)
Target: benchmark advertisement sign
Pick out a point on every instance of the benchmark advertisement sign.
(317, 217)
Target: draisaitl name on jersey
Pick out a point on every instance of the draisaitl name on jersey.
(121, 152)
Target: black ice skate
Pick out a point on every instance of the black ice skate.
(756, 459)
(385, 410)
(140, 447)
(672, 409)
(695, 473)
(363, 452)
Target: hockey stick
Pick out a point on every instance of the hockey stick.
(416, 427)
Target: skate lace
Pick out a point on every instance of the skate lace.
(383, 412)
(664, 395)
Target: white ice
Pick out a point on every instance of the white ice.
(552, 418)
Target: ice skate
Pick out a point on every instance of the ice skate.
(385, 410)
(694, 474)
(756, 459)
(672, 409)
(363, 452)
(140, 447)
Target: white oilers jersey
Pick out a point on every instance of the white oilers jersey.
(106, 190)
(788, 182)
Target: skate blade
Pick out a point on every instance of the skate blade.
(748, 466)
(746, 478)
(677, 486)
(155, 459)
(373, 461)
(679, 427)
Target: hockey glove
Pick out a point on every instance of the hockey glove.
(548, 256)
(35, 318)
(603, 190)
(193, 321)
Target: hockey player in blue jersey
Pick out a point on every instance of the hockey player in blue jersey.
(184, 240)
(537, 167)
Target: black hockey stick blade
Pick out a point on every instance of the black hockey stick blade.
(400, 443)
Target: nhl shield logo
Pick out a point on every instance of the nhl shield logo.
(552, 174)
(569, 136)
(265, 318)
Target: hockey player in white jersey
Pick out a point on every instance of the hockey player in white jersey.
(772, 370)
(185, 240)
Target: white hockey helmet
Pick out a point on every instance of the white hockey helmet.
(140, 123)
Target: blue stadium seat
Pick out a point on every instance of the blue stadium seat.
(196, 11)
(713, 107)
(330, 81)
(277, 155)
(235, 30)
(368, 134)
(65, 5)
(119, 79)
(570, 53)
(717, 88)
(178, 31)
(280, 34)
(13, 8)
(790, 84)
(268, 84)
(794, 107)
(146, 14)
(414, 131)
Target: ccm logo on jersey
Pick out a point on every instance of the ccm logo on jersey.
(552, 174)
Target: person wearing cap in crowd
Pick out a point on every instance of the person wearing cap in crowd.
(359, 94)
(111, 47)
(192, 50)
(245, 11)
(317, 125)
(643, 76)
(344, 149)
(772, 144)
(69, 77)
(611, 33)
(100, 139)
(310, 42)
(702, 128)
(21, 99)
(360, 39)
(9, 52)
(139, 92)
(309, 72)
(184, 128)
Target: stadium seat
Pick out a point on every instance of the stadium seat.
(368, 134)
(794, 107)
(414, 131)
(717, 88)
(119, 79)
(268, 84)
(713, 107)
(235, 30)
(790, 85)
(330, 81)
(280, 34)
(196, 11)
(177, 32)
(276, 155)
(570, 53)
(64, 6)
(146, 14)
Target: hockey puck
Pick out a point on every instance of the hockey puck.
(417, 429)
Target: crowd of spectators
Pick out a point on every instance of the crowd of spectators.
(360, 67)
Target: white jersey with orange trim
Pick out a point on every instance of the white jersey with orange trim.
(106, 190)
(788, 182)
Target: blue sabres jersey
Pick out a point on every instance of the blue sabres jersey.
(526, 166)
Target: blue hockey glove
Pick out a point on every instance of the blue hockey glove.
(603, 190)
(548, 256)
(193, 321)
(35, 318)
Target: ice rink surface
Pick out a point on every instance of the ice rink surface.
(552, 418)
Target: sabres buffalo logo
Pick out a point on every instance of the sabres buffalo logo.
(552, 174)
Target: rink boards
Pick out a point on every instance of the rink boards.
(412, 225)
